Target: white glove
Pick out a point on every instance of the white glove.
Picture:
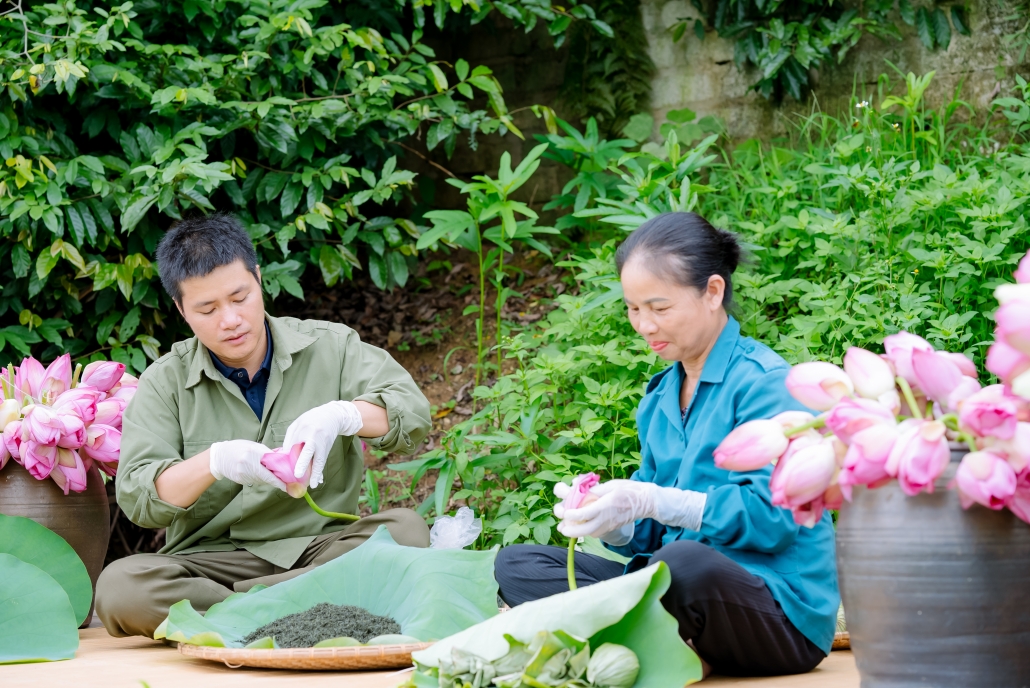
(622, 502)
(318, 430)
(617, 537)
(240, 462)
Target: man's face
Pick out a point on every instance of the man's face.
(226, 312)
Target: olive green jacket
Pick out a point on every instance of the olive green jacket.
(183, 405)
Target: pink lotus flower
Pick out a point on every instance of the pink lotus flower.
(10, 411)
(871, 375)
(56, 379)
(899, 348)
(1013, 323)
(46, 425)
(919, 455)
(38, 459)
(12, 439)
(1022, 273)
(81, 402)
(936, 375)
(282, 464)
(750, 446)
(123, 393)
(29, 377)
(802, 478)
(818, 385)
(966, 388)
(793, 419)
(579, 494)
(965, 365)
(1019, 503)
(866, 460)
(102, 375)
(103, 444)
(70, 473)
(989, 413)
(850, 416)
(1006, 362)
(1015, 450)
(985, 478)
(109, 412)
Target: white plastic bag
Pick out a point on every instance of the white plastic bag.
(455, 532)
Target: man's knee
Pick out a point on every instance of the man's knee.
(406, 527)
(121, 594)
(693, 565)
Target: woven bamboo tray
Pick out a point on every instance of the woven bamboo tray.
(842, 640)
(311, 658)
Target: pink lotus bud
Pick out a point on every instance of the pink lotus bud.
(128, 380)
(899, 348)
(1015, 450)
(871, 375)
(989, 413)
(282, 465)
(936, 375)
(41, 425)
(985, 478)
(56, 379)
(849, 416)
(10, 411)
(1006, 362)
(1010, 293)
(919, 455)
(12, 439)
(103, 444)
(81, 402)
(804, 475)
(579, 494)
(818, 385)
(70, 473)
(751, 446)
(891, 401)
(1021, 385)
(1022, 273)
(38, 459)
(123, 393)
(1019, 503)
(865, 462)
(793, 419)
(30, 376)
(965, 365)
(109, 412)
(1013, 323)
(966, 388)
(102, 375)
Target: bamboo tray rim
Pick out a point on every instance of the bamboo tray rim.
(841, 640)
(363, 657)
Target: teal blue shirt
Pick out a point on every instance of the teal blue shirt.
(742, 380)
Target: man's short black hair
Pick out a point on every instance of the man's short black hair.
(196, 246)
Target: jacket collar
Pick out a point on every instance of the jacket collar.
(286, 341)
(713, 372)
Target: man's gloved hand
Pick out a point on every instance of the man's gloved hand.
(622, 502)
(318, 430)
(240, 462)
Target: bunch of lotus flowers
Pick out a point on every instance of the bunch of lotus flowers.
(57, 423)
(891, 417)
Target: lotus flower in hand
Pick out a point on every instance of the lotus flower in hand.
(282, 464)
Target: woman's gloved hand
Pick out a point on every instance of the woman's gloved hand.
(240, 462)
(318, 430)
(623, 502)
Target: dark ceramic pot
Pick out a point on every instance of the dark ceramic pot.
(81, 518)
(934, 595)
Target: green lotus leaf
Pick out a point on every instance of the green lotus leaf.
(37, 622)
(626, 611)
(431, 593)
(266, 643)
(393, 639)
(45, 549)
(345, 641)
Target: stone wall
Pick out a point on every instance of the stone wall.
(701, 75)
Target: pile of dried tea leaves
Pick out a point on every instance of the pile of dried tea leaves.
(324, 621)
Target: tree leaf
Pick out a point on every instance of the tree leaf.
(924, 28)
(37, 622)
(907, 11)
(941, 28)
(958, 20)
(377, 270)
(433, 593)
(438, 77)
(639, 127)
(289, 199)
(42, 547)
(398, 267)
(75, 224)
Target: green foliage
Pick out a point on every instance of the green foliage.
(894, 218)
(784, 40)
(292, 114)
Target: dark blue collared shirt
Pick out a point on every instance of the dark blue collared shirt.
(253, 390)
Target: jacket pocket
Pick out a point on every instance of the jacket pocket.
(275, 435)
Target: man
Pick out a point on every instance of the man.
(204, 415)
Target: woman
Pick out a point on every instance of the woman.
(754, 593)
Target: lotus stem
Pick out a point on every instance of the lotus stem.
(328, 514)
(811, 425)
(570, 564)
(76, 375)
(910, 398)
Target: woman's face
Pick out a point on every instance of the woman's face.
(679, 323)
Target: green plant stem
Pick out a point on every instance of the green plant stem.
(910, 398)
(328, 514)
(570, 564)
(480, 323)
(811, 425)
(76, 375)
(500, 305)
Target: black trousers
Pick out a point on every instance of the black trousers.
(729, 614)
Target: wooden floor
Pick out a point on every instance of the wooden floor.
(131, 662)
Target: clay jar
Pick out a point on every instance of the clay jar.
(81, 518)
(934, 595)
